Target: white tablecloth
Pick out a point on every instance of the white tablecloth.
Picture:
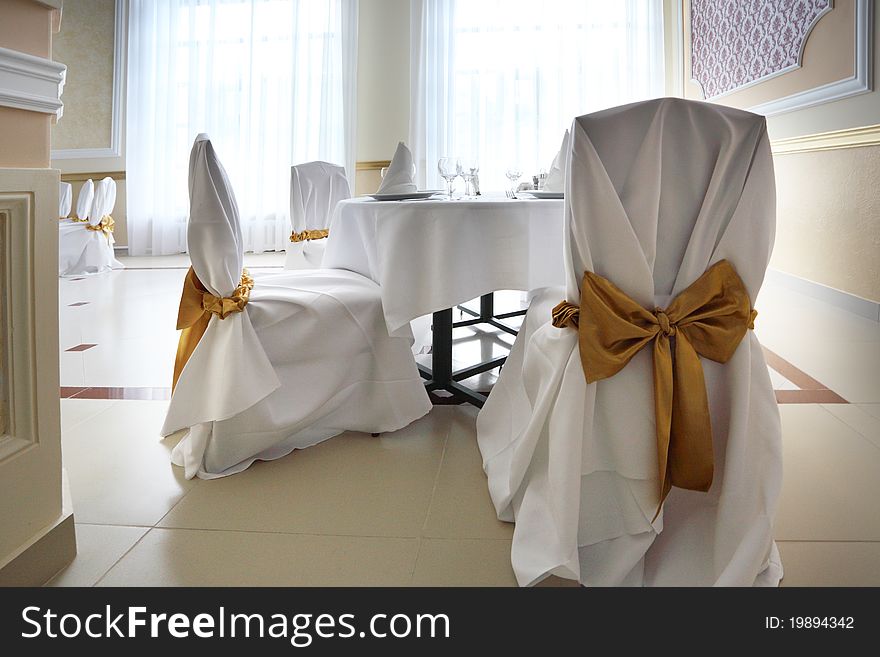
(435, 254)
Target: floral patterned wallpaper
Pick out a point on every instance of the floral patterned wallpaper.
(736, 42)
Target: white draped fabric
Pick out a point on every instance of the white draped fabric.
(84, 200)
(308, 358)
(500, 79)
(272, 80)
(575, 465)
(65, 199)
(431, 255)
(316, 188)
(83, 251)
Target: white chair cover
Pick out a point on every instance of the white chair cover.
(308, 358)
(65, 199)
(575, 465)
(85, 199)
(83, 251)
(315, 190)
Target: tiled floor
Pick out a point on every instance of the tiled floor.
(410, 507)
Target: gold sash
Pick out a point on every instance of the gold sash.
(708, 319)
(196, 307)
(307, 235)
(105, 225)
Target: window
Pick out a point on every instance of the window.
(501, 80)
(272, 83)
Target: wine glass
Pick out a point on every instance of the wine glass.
(469, 169)
(513, 175)
(450, 169)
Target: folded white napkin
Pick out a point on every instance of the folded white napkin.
(401, 172)
(555, 181)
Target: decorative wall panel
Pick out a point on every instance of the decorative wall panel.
(735, 43)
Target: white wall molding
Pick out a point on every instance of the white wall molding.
(788, 69)
(868, 135)
(832, 296)
(115, 148)
(860, 82)
(31, 83)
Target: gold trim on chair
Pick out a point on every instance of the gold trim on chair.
(105, 225)
(308, 235)
(197, 305)
(708, 319)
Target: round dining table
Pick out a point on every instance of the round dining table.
(429, 256)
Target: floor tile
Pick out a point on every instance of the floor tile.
(463, 562)
(830, 563)
(461, 506)
(830, 486)
(75, 411)
(871, 409)
(98, 547)
(352, 484)
(859, 418)
(180, 557)
(120, 472)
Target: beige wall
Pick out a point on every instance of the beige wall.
(827, 58)
(851, 112)
(88, 98)
(26, 26)
(85, 44)
(383, 78)
(828, 218)
(828, 208)
(24, 137)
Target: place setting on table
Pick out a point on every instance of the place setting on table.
(431, 252)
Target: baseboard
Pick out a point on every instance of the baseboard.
(47, 553)
(838, 298)
(44, 557)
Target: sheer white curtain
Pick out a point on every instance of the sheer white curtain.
(272, 81)
(501, 80)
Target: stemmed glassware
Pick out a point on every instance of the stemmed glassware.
(469, 169)
(513, 175)
(450, 169)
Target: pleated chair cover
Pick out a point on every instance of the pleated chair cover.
(84, 251)
(65, 199)
(656, 193)
(308, 357)
(316, 188)
(85, 199)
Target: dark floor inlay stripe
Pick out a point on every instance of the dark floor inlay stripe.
(81, 347)
(70, 391)
(99, 392)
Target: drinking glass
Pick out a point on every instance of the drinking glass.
(383, 171)
(450, 169)
(470, 167)
(513, 175)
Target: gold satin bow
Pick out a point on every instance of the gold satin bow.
(105, 225)
(309, 235)
(196, 307)
(707, 319)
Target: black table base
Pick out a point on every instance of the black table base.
(440, 376)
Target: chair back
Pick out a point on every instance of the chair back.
(315, 190)
(660, 190)
(105, 200)
(65, 199)
(214, 230)
(84, 200)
